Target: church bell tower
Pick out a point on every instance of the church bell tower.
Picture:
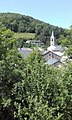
(52, 39)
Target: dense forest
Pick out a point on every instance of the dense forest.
(30, 89)
(21, 23)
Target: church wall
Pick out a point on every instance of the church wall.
(48, 55)
(56, 56)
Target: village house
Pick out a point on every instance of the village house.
(35, 42)
(25, 52)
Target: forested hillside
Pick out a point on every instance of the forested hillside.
(27, 24)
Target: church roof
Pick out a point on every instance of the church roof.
(45, 52)
(52, 36)
(59, 53)
(54, 48)
(52, 61)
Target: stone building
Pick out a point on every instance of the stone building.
(54, 53)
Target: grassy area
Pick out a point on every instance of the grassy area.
(24, 35)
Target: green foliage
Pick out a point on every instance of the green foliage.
(9, 68)
(24, 35)
(21, 39)
(31, 90)
(66, 41)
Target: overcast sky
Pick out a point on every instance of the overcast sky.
(55, 12)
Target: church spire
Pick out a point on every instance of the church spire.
(52, 39)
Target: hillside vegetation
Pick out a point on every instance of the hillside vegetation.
(21, 23)
(24, 35)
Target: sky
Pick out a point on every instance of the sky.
(55, 12)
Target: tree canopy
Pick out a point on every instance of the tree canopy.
(66, 41)
(30, 89)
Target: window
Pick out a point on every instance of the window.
(49, 54)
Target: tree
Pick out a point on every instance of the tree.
(9, 70)
(67, 42)
(21, 27)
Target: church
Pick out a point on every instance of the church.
(54, 54)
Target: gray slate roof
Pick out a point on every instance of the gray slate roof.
(25, 51)
(52, 61)
(58, 47)
(55, 48)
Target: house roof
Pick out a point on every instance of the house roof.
(52, 61)
(45, 52)
(25, 51)
(35, 42)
